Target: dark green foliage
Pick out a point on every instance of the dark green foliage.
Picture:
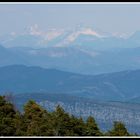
(7, 116)
(79, 126)
(36, 121)
(92, 128)
(61, 122)
(118, 129)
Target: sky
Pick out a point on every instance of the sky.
(113, 18)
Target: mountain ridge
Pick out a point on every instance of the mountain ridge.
(119, 86)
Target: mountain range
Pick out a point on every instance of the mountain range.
(119, 86)
(80, 36)
(82, 50)
(77, 60)
(86, 71)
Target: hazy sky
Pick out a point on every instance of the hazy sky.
(106, 17)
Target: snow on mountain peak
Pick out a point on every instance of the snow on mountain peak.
(85, 31)
(46, 35)
(52, 34)
(89, 31)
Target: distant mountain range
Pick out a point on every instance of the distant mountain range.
(82, 50)
(120, 86)
(78, 36)
(52, 37)
(73, 59)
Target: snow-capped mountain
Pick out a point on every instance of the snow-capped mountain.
(51, 37)
(72, 50)
(80, 36)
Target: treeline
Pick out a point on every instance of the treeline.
(36, 121)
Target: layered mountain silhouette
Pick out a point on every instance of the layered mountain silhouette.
(119, 86)
(73, 59)
(82, 50)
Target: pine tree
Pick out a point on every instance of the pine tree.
(61, 122)
(118, 129)
(92, 128)
(78, 126)
(19, 124)
(35, 120)
(7, 115)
